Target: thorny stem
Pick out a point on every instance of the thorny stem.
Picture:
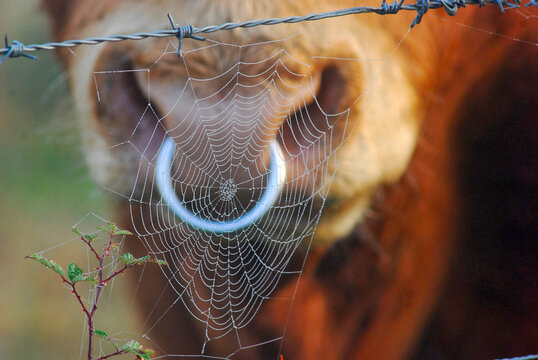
(90, 314)
(89, 307)
(100, 287)
(91, 247)
(77, 295)
(120, 271)
(117, 352)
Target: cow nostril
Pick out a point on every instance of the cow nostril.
(331, 91)
(312, 121)
(123, 109)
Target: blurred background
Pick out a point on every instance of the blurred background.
(45, 189)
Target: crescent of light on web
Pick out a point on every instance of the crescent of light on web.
(277, 177)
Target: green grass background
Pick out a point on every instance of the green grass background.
(45, 189)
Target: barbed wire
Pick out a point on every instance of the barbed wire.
(18, 49)
(528, 357)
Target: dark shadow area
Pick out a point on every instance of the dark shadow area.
(489, 307)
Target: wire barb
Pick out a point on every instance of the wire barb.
(16, 49)
(422, 8)
(390, 9)
(183, 32)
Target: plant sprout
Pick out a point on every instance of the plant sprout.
(75, 275)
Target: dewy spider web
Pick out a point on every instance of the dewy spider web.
(220, 171)
(222, 127)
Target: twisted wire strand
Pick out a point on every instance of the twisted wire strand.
(17, 49)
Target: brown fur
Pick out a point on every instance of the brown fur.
(368, 293)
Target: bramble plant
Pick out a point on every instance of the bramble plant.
(75, 275)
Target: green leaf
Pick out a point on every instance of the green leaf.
(104, 335)
(74, 272)
(160, 262)
(48, 263)
(127, 258)
(112, 229)
(76, 231)
(87, 237)
(123, 232)
(101, 334)
(146, 354)
(132, 346)
(142, 260)
(90, 238)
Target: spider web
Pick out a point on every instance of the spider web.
(222, 128)
(220, 170)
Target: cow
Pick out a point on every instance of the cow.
(426, 244)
